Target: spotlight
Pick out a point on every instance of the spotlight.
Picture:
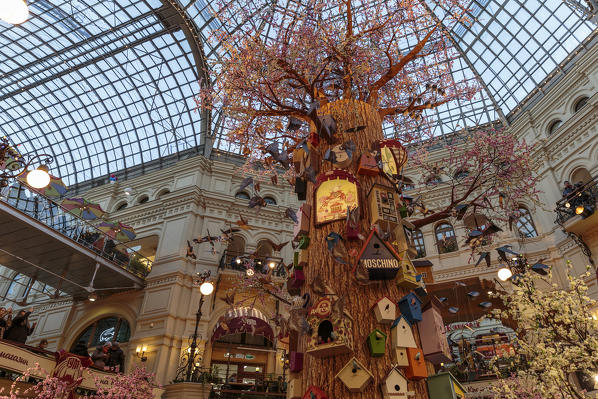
(92, 297)
(504, 274)
(238, 260)
(584, 211)
(272, 265)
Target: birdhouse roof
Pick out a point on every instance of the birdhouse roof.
(394, 371)
(350, 365)
(452, 378)
(367, 243)
(398, 320)
(409, 296)
(381, 299)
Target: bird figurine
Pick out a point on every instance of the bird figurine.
(318, 286)
(190, 253)
(504, 250)
(257, 201)
(327, 128)
(294, 124)
(355, 367)
(242, 223)
(337, 248)
(352, 224)
(291, 214)
(276, 247)
(484, 256)
(246, 182)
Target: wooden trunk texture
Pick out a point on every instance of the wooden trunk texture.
(359, 298)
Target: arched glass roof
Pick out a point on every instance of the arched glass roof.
(106, 85)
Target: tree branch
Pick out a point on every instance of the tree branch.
(384, 112)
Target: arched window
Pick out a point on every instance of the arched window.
(143, 199)
(264, 248)
(162, 193)
(418, 243)
(242, 195)
(554, 126)
(461, 174)
(269, 200)
(105, 330)
(580, 104)
(580, 175)
(120, 207)
(525, 224)
(445, 238)
(235, 249)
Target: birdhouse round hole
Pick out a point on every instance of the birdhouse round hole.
(376, 245)
(397, 387)
(325, 331)
(354, 370)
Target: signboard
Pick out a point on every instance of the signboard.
(378, 258)
(335, 192)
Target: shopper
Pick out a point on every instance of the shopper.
(19, 329)
(80, 349)
(116, 358)
(99, 357)
(43, 344)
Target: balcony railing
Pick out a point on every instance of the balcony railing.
(583, 195)
(232, 260)
(53, 215)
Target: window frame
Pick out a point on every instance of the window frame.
(449, 243)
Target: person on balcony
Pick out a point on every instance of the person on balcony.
(4, 321)
(99, 357)
(20, 329)
(568, 189)
(80, 349)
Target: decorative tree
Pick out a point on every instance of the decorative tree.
(488, 172)
(334, 72)
(557, 336)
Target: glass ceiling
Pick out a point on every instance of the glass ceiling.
(105, 85)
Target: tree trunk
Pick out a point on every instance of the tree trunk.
(359, 299)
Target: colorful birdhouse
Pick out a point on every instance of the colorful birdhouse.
(296, 361)
(394, 385)
(300, 259)
(303, 242)
(301, 228)
(301, 188)
(401, 334)
(433, 335)
(445, 386)
(417, 365)
(355, 376)
(368, 165)
(377, 343)
(294, 390)
(331, 329)
(411, 307)
(383, 208)
(385, 311)
(399, 357)
(297, 279)
(335, 191)
(340, 155)
(378, 258)
(407, 275)
(314, 392)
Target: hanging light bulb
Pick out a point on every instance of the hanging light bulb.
(38, 178)
(206, 288)
(14, 11)
(504, 274)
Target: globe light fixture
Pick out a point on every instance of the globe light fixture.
(579, 209)
(206, 288)
(250, 272)
(504, 274)
(272, 264)
(14, 11)
(38, 178)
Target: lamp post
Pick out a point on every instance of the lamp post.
(205, 288)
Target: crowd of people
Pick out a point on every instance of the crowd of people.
(107, 357)
(15, 328)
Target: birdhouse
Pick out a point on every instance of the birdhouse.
(303, 242)
(331, 329)
(383, 207)
(420, 290)
(299, 156)
(294, 389)
(295, 362)
(399, 357)
(393, 156)
(377, 343)
(410, 307)
(401, 334)
(301, 228)
(385, 311)
(368, 165)
(314, 392)
(335, 191)
(300, 259)
(394, 385)
(301, 188)
(407, 275)
(355, 376)
(378, 258)
(417, 365)
(433, 335)
(297, 279)
(445, 386)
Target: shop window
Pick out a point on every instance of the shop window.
(445, 238)
(105, 330)
(525, 224)
(418, 243)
